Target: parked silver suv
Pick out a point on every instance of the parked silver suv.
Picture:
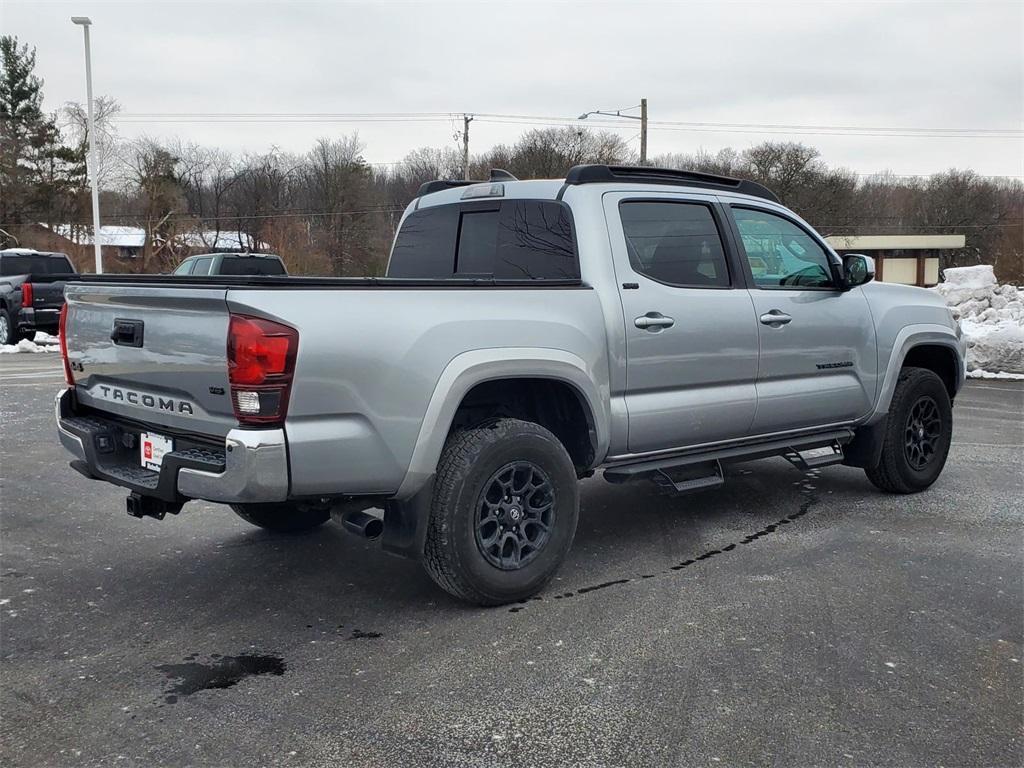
(653, 324)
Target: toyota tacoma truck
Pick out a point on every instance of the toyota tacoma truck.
(651, 324)
(31, 292)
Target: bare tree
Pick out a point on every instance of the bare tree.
(74, 121)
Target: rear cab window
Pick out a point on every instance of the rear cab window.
(35, 265)
(251, 265)
(511, 239)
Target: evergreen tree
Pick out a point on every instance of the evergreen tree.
(39, 177)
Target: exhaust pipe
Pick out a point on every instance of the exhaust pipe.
(355, 520)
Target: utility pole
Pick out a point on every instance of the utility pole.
(93, 167)
(618, 113)
(643, 131)
(466, 120)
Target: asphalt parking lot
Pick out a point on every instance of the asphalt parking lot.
(819, 623)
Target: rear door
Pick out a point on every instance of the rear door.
(818, 364)
(168, 363)
(691, 335)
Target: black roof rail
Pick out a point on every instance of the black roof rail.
(596, 174)
(438, 184)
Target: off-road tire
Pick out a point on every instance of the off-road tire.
(894, 472)
(282, 517)
(471, 457)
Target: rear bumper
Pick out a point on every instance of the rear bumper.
(38, 319)
(250, 467)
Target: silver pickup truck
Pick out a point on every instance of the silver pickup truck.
(652, 324)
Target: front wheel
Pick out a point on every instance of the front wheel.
(503, 514)
(917, 435)
(282, 517)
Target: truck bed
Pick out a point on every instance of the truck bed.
(371, 353)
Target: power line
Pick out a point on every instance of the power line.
(680, 125)
(558, 122)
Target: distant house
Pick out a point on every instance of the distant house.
(119, 242)
(127, 243)
(222, 242)
(906, 259)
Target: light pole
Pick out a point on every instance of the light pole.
(643, 124)
(92, 165)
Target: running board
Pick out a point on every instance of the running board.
(801, 449)
(813, 458)
(701, 477)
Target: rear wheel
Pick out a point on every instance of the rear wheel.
(503, 514)
(917, 435)
(8, 331)
(282, 517)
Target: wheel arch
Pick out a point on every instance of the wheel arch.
(934, 347)
(518, 379)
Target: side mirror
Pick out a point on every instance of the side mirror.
(858, 269)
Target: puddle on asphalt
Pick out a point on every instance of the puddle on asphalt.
(221, 672)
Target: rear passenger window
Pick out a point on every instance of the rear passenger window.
(202, 266)
(674, 243)
(520, 240)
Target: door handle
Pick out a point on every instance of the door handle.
(776, 318)
(653, 321)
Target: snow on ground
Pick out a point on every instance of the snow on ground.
(992, 319)
(42, 342)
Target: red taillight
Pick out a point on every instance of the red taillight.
(63, 332)
(261, 361)
(27, 295)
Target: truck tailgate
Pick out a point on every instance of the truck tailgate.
(46, 294)
(168, 363)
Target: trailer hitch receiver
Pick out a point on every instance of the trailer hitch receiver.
(150, 506)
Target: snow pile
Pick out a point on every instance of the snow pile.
(43, 342)
(991, 316)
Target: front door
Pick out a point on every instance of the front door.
(691, 334)
(818, 363)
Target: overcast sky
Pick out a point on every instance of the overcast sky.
(880, 65)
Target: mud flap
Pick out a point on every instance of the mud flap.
(865, 450)
(405, 523)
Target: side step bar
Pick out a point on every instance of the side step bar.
(695, 477)
(800, 451)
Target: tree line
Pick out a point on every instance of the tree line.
(329, 211)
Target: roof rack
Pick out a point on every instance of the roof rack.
(596, 174)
